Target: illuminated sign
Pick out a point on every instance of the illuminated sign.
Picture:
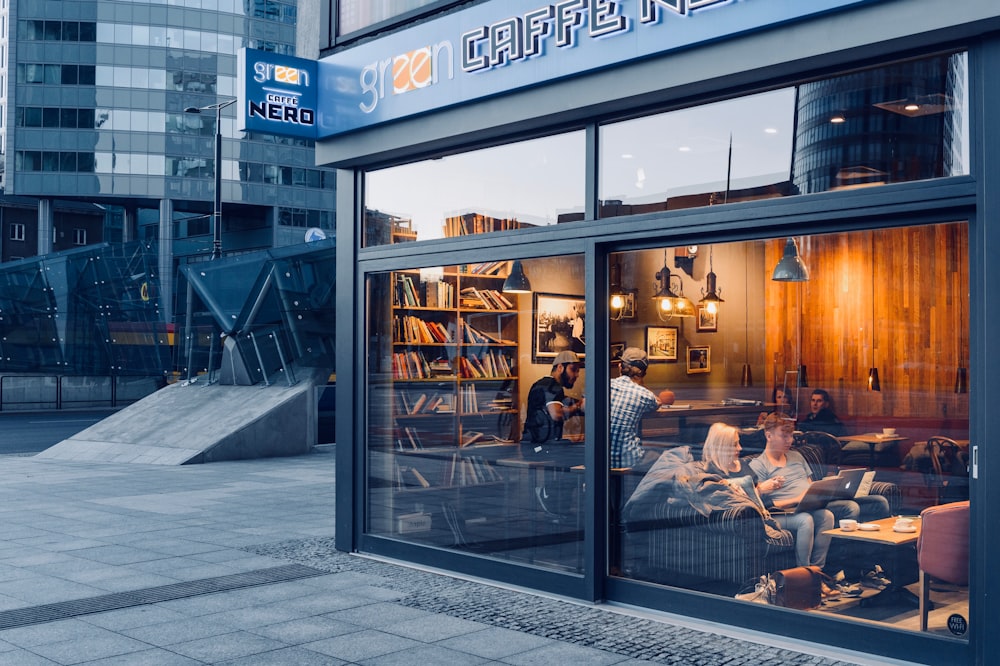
(497, 47)
(278, 94)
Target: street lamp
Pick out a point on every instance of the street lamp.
(217, 209)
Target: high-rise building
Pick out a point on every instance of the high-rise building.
(100, 104)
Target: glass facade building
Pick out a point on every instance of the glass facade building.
(614, 321)
(99, 100)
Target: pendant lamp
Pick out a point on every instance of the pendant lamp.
(791, 268)
(517, 281)
(668, 302)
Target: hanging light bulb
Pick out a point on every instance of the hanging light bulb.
(962, 381)
(670, 303)
(710, 295)
(873, 382)
(617, 301)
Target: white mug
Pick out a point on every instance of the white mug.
(848, 524)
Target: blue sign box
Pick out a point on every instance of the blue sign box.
(496, 47)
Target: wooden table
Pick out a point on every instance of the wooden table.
(887, 536)
(872, 439)
(654, 422)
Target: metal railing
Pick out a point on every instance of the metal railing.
(42, 392)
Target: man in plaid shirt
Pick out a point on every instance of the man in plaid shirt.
(630, 401)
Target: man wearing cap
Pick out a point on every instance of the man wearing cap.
(630, 401)
(548, 407)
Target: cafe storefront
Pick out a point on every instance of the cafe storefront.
(783, 210)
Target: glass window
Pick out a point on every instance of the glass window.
(776, 384)
(17, 231)
(354, 15)
(475, 428)
(527, 184)
(903, 122)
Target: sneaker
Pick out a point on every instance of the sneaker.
(876, 579)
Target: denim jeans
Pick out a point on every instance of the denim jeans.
(811, 545)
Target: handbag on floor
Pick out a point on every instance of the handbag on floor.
(799, 587)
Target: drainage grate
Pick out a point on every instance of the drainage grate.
(20, 617)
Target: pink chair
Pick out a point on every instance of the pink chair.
(942, 550)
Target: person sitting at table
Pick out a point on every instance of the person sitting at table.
(821, 416)
(783, 403)
(791, 476)
(783, 478)
(630, 400)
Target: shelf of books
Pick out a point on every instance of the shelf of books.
(454, 394)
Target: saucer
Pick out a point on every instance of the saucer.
(911, 528)
(869, 527)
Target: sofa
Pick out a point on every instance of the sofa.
(668, 540)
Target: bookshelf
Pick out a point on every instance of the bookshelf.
(454, 393)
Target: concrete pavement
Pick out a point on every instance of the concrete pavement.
(233, 563)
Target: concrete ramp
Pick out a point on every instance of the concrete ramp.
(187, 423)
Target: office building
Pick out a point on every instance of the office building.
(112, 104)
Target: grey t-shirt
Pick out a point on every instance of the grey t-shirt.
(795, 471)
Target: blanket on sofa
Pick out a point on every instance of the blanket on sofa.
(678, 480)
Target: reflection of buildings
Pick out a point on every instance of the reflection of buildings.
(99, 116)
(878, 126)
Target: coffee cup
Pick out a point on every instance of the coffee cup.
(848, 524)
(888, 432)
(903, 523)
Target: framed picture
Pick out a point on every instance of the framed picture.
(708, 322)
(557, 325)
(628, 310)
(617, 349)
(661, 343)
(699, 359)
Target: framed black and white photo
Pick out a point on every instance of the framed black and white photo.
(661, 343)
(699, 360)
(708, 322)
(557, 324)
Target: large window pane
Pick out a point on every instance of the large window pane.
(893, 124)
(867, 359)
(456, 369)
(526, 184)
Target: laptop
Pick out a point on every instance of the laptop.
(843, 486)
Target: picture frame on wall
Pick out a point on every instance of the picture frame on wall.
(628, 309)
(617, 349)
(707, 322)
(661, 343)
(699, 359)
(557, 324)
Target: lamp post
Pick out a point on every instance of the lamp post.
(217, 207)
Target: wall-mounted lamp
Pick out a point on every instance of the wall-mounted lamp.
(710, 295)
(791, 268)
(517, 281)
(669, 303)
(618, 296)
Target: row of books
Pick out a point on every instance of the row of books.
(460, 471)
(488, 364)
(473, 335)
(491, 299)
(414, 329)
(410, 365)
(439, 294)
(435, 403)
(475, 223)
(487, 268)
(405, 292)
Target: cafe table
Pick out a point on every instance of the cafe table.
(900, 545)
(872, 439)
(731, 411)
